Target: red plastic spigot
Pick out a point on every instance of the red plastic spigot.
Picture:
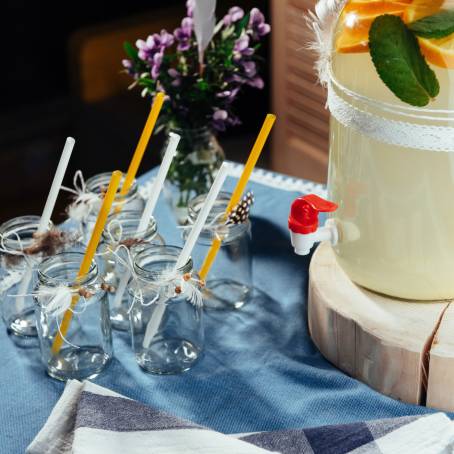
(304, 213)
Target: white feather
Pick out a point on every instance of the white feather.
(54, 300)
(323, 23)
(204, 24)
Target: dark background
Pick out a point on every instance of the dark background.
(44, 85)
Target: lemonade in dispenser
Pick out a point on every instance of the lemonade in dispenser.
(389, 72)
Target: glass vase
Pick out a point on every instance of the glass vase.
(193, 169)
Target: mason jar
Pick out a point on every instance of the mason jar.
(18, 277)
(73, 320)
(166, 316)
(229, 282)
(121, 230)
(391, 170)
(98, 184)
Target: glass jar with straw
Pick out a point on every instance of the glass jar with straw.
(87, 344)
(72, 332)
(120, 236)
(18, 240)
(17, 283)
(166, 314)
(140, 226)
(229, 284)
(131, 201)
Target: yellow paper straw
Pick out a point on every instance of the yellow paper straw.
(89, 255)
(239, 190)
(143, 142)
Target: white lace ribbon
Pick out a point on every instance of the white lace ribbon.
(417, 136)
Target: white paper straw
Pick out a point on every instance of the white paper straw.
(174, 140)
(158, 184)
(56, 185)
(156, 318)
(203, 216)
(47, 214)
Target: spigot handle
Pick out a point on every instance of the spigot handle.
(303, 217)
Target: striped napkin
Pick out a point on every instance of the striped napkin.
(89, 419)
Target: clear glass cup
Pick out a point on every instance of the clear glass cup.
(98, 184)
(86, 346)
(229, 283)
(122, 230)
(18, 279)
(166, 327)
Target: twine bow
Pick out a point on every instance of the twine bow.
(169, 286)
(85, 202)
(55, 301)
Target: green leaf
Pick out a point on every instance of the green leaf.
(242, 24)
(439, 25)
(131, 51)
(398, 60)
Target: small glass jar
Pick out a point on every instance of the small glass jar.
(86, 342)
(18, 279)
(122, 230)
(98, 185)
(166, 322)
(229, 282)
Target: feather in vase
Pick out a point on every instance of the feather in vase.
(204, 23)
(322, 24)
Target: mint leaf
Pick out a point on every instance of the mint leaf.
(398, 60)
(437, 26)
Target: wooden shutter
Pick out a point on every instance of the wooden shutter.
(300, 144)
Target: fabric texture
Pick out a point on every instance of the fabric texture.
(260, 371)
(89, 419)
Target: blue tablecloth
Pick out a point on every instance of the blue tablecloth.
(260, 371)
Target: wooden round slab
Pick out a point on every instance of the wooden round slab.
(403, 349)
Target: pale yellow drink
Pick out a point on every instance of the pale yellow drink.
(396, 204)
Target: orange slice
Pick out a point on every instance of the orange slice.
(356, 20)
(374, 7)
(439, 52)
(422, 8)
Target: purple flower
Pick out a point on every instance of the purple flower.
(257, 24)
(174, 74)
(234, 15)
(256, 82)
(241, 48)
(152, 50)
(220, 115)
(228, 95)
(184, 34)
(190, 6)
(250, 68)
(154, 44)
(220, 118)
(127, 64)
